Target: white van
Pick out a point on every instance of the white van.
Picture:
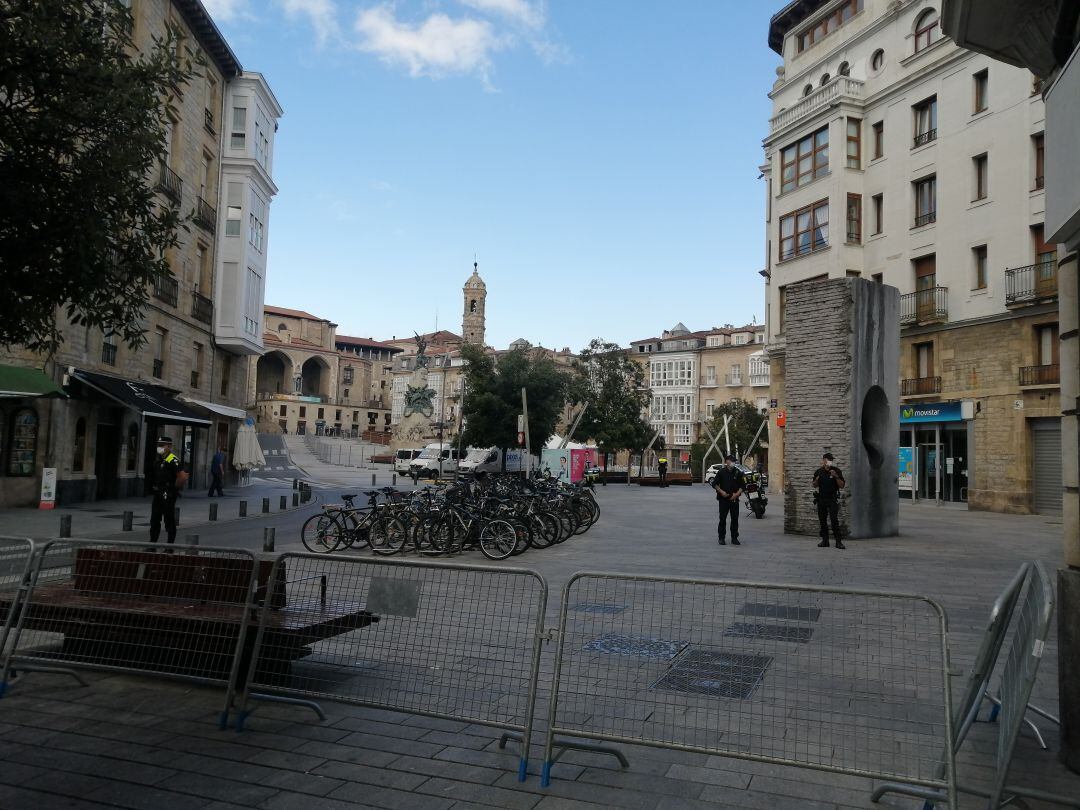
(402, 459)
(481, 460)
(433, 459)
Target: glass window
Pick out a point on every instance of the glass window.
(925, 121)
(22, 454)
(877, 61)
(980, 166)
(879, 139)
(979, 256)
(879, 213)
(981, 82)
(854, 218)
(820, 29)
(927, 30)
(854, 143)
(805, 230)
(926, 201)
(805, 160)
(132, 446)
(1040, 158)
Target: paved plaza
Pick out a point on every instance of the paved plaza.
(137, 742)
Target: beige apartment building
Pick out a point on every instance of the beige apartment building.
(190, 380)
(894, 155)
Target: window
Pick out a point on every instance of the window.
(978, 255)
(927, 30)
(852, 274)
(1047, 344)
(854, 218)
(854, 143)
(807, 90)
(22, 454)
(925, 121)
(825, 77)
(742, 340)
(196, 363)
(805, 230)
(981, 85)
(1040, 158)
(879, 213)
(78, 456)
(303, 411)
(710, 375)
(877, 60)
(879, 139)
(925, 201)
(844, 69)
(804, 161)
(736, 374)
(238, 138)
(161, 338)
(821, 28)
(108, 350)
(283, 410)
(878, 278)
(670, 373)
(924, 360)
(337, 415)
(710, 406)
(234, 209)
(925, 279)
(347, 377)
(980, 164)
(346, 393)
(320, 416)
(1044, 253)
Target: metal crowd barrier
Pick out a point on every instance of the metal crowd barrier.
(16, 557)
(436, 639)
(839, 680)
(145, 608)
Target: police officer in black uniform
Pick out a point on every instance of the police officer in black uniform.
(163, 485)
(729, 484)
(661, 467)
(828, 481)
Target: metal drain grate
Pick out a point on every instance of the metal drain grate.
(640, 646)
(586, 607)
(717, 674)
(770, 632)
(767, 610)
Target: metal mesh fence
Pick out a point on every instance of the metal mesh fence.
(460, 642)
(16, 555)
(840, 680)
(149, 608)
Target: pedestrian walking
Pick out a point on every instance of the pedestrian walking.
(828, 481)
(163, 484)
(661, 465)
(729, 484)
(217, 473)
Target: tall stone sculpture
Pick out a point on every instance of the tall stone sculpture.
(415, 428)
(842, 392)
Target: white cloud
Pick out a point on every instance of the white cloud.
(438, 46)
(224, 11)
(322, 14)
(381, 185)
(521, 12)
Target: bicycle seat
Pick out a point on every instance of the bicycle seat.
(348, 496)
(371, 493)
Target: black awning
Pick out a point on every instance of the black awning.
(152, 401)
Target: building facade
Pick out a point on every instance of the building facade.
(896, 156)
(190, 380)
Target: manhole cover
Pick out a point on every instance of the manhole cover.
(586, 607)
(641, 646)
(717, 674)
(770, 632)
(770, 611)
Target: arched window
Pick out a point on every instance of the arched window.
(132, 446)
(927, 29)
(282, 327)
(877, 61)
(825, 79)
(78, 457)
(22, 452)
(844, 69)
(808, 90)
(472, 306)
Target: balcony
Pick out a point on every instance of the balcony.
(925, 219)
(920, 386)
(842, 87)
(170, 184)
(1040, 375)
(733, 380)
(924, 138)
(759, 380)
(1031, 284)
(925, 306)
(205, 215)
(167, 289)
(1040, 183)
(708, 382)
(202, 308)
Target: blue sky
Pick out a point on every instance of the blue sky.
(599, 158)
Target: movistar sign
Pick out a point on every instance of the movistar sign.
(931, 412)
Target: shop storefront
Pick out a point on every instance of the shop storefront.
(936, 450)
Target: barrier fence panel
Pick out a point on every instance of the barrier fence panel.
(16, 555)
(158, 609)
(840, 680)
(452, 641)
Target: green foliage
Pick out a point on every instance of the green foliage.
(614, 386)
(81, 135)
(744, 423)
(493, 396)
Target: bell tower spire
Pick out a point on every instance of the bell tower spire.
(472, 319)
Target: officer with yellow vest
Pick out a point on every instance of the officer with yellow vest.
(661, 465)
(163, 485)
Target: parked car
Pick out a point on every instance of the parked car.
(435, 459)
(402, 459)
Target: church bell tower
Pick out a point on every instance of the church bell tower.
(472, 320)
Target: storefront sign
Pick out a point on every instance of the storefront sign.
(48, 488)
(931, 412)
(906, 479)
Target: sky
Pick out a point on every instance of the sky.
(598, 159)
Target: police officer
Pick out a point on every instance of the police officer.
(828, 481)
(729, 484)
(163, 485)
(661, 465)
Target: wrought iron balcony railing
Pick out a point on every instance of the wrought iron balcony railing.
(202, 308)
(925, 306)
(919, 386)
(1041, 375)
(925, 137)
(1035, 282)
(925, 219)
(205, 215)
(167, 289)
(170, 184)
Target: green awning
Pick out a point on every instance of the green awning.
(16, 381)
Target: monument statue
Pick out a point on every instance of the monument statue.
(415, 428)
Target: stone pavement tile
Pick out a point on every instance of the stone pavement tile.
(6, 727)
(115, 749)
(68, 784)
(395, 729)
(257, 774)
(74, 762)
(581, 791)
(211, 731)
(114, 731)
(211, 787)
(560, 803)
(307, 732)
(449, 769)
(460, 739)
(287, 760)
(642, 782)
(295, 801)
(224, 748)
(347, 753)
(84, 711)
(506, 761)
(484, 794)
(392, 744)
(709, 776)
(844, 791)
(727, 797)
(436, 724)
(17, 798)
(371, 775)
(374, 796)
(36, 720)
(16, 773)
(141, 797)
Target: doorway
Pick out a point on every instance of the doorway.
(107, 460)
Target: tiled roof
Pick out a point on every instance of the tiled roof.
(369, 342)
(292, 313)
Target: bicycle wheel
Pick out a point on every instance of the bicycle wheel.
(498, 539)
(545, 529)
(354, 531)
(524, 535)
(567, 524)
(388, 535)
(321, 534)
(583, 515)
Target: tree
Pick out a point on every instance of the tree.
(82, 117)
(614, 387)
(493, 396)
(745, 419)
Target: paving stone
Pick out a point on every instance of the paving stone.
(142, 797)
(459, 739)
(288, 760)
(371, 775)
(485, 794)
(373, 796)
(211, 787)
(449, 769)
(645, 783)
(392, 744)
(309, 732)
(17, 773)
(73, 762)
(17, 798)
(366, 726)
(257, 774)
(347, 753)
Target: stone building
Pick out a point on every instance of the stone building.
(190, 379)
(936, 172)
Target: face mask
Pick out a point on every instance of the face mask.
(828, 463)
(161, 451)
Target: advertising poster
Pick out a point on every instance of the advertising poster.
(907, 468)
(557, 462)
(48, 488)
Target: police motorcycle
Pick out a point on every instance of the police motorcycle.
(754, 491)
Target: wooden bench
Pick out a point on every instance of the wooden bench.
(179, 613)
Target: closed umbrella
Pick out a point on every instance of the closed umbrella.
(247, 455)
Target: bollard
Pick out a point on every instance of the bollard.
(128, 518)
(266, 505)
(268, 538)
(393, 480)
(243, 508)
(213, 511)
(65, 525)
(283, 503)
(295, 484)
(373, 479)
(296, 499)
